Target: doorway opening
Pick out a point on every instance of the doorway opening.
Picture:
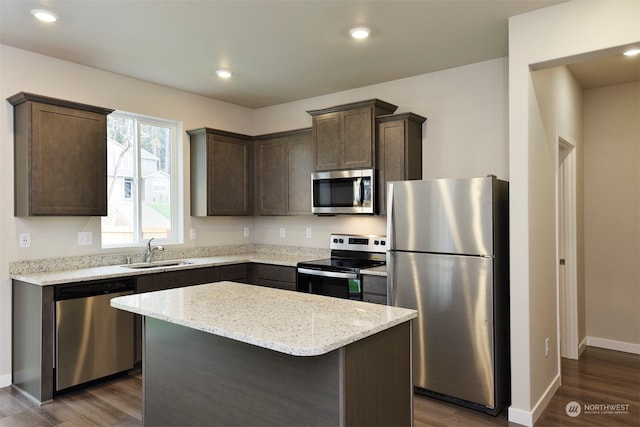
(566, 229)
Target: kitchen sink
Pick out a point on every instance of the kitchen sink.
(156, 264)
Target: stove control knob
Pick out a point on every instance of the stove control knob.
(341, 240)
(376, 242)
(383, 243)
(335, 240)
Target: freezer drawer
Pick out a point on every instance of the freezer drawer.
(453, 343)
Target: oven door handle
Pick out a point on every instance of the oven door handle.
(324, 273)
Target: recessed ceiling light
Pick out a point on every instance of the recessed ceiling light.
(360, 32)
(44, 15)
(225, 74)
(632, 52)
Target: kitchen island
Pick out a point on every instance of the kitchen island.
(227, 354)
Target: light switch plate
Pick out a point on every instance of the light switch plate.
(85, 237)
(192, 234)
(282, 232)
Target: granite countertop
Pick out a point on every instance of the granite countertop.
(294, 323)
(80, 269)
(375, 271)
(48, 278)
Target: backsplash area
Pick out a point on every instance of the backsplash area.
(89, 261)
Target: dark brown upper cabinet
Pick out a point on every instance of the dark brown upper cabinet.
(399, 151)
(283, 167)
(221, 173)
(344, 136)
(60, 157)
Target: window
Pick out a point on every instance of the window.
(128, 187)
(142, 181)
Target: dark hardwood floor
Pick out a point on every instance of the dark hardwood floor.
(601, 377)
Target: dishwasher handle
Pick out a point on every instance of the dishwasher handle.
(93, 288)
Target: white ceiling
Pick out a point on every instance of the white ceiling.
(279, 51)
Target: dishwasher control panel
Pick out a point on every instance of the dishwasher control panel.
(87, 289)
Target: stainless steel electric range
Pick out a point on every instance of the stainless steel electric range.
(339, 276)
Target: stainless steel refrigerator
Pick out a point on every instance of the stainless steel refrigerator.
(448, 258)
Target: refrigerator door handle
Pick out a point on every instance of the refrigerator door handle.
(391, 290)
(390, 239)
(390, 245)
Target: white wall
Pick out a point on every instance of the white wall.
(555, 35)
(465, 135)
(612, 214)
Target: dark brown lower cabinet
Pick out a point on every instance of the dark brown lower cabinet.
(374, 289)
(224, 382)
(274, 276)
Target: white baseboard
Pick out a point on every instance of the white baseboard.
(582, 347)
(5, 380)
(528, 419)
(521, 417)
(626, 347)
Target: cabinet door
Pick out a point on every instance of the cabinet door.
(271, 177)
(229, 176)
(68, 164)
(391, 157)
(399, 152)
(327, 137)
(235, 272)
(357, 138)
(374, 289)
(300, 170)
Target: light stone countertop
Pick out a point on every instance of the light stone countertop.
(375, 271)
(294, 323)
(48, 278)
(49, 272)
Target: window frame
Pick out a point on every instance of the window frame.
(176, 180)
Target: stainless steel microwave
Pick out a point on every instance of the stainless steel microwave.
(343, 192)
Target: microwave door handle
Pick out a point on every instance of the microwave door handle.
(357, 192)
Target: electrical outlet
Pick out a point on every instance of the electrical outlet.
(282, 232)
(246, 232)
(546, 347)
(85, 237)
(192, 234)
(308, 233)
(25, 240)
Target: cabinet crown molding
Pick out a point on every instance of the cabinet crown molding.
(22, 97)
(219, 132)
(375, 102)
(401, 116)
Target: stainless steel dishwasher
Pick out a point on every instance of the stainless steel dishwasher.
(93, 339)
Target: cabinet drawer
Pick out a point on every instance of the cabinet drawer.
(274, 276)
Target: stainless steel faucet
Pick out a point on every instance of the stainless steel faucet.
(148, 251)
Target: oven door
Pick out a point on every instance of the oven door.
(329, 283)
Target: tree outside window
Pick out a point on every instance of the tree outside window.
(141, 180)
